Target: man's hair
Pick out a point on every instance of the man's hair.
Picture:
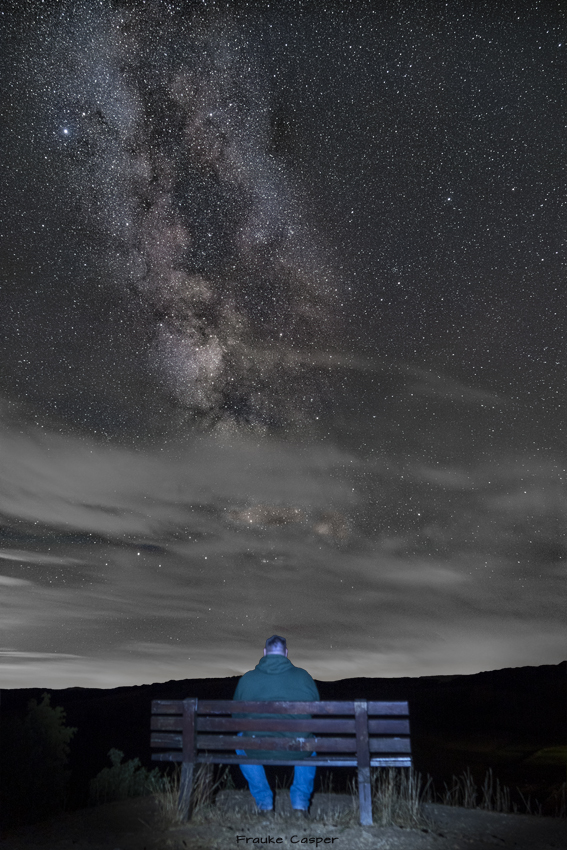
(275, 643)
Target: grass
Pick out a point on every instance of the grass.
(494, 797)
(166, 792)
(398, 799)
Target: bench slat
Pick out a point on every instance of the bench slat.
(167, 706)
(389, 727)
(226, 724)
(302, 745)
(244, 724)
(325, 745)
(172, 723)
(329, 761)
(166, 739)
(275, 707)
(172, 706)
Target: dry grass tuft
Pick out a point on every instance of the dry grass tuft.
(557, 800)
(202, 797)
(397, 798)
(494, 797)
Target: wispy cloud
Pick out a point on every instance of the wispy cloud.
(10, 653)
(78, 484)
(11, 581)
(433, 383)
(25, 557)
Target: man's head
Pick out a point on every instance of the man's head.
(275, 645)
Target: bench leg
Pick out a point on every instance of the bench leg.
(365, 796)
(207, 791)
(185, 788)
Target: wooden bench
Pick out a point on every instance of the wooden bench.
(355, 733)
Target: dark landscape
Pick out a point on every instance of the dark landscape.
(512, 720)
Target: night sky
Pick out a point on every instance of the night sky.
(282, 318)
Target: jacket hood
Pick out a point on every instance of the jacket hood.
(274, 664)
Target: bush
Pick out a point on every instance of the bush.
(35, 750)
(124, 779)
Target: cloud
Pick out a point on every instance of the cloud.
(423, 573)
(11, 581)
(81, 485)
(447, 477)
(434, 384)
(487, 646)
(207, 545)
(33, 557)
(10, 653)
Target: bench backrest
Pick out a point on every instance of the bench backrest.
(345, 732)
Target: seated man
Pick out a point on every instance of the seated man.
(276, 678)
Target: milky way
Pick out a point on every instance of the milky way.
(162, 123)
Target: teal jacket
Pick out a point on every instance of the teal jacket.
(275, 678)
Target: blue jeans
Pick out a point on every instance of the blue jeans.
(299, 793)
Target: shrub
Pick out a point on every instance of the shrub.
(124, 779)
(35, 752)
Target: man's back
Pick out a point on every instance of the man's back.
(276, 678)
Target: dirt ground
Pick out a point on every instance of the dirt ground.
(135, 825)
